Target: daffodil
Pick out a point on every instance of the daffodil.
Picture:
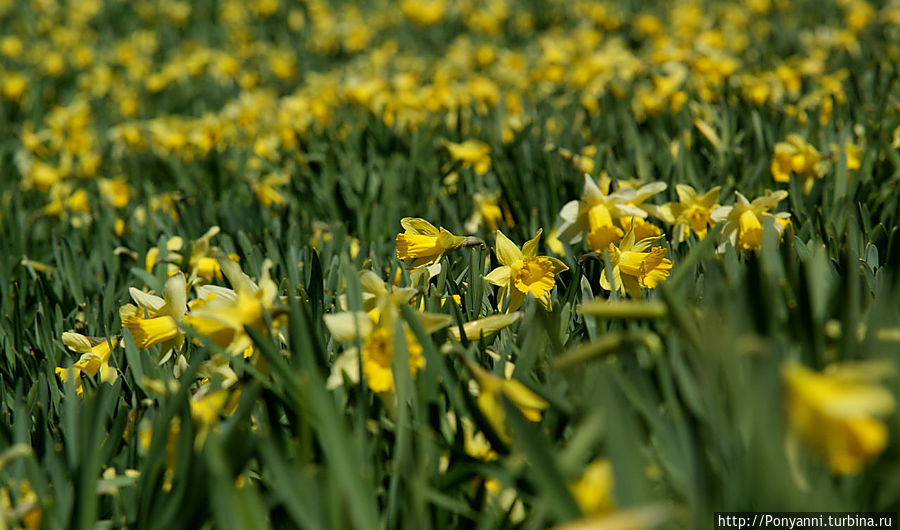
(422, 242)
(267, 189)
(224, 317)
(378, 340)
(203, 262)
(95, 353)
(597, 212)
(208, 405)
(852, 152)
(172, 258)
(487, 211)
(523, 272)
(27, 512)
(493, 389)
(156, 319)
(593, 491)
(472, 153)
(835, 412)
(636, 265)
(796, 155)
(744, 220)
(475, 444)
(692, 212)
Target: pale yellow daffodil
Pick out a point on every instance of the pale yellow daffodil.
(744, 220)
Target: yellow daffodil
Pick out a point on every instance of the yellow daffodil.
(475, 443)
(522, 272)
(172, 258)
(636, 265)
(156, 320)
(207, 406)
(116, 192)
(203, 262)
(692, 212)
(797, 155)
(27, 512)
(487, 211)
(853, 153)
(744, 220)
(95, 353)
(597, 212)
(593, 491)
(377, 352)
(425, 244)
(834, 412)
(493, 389)
(472, 153)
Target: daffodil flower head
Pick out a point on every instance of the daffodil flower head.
(422, 242)
(378, 346)
(692, 212)
(636, 265)
(156, 319)
(475, 443)
(203, 263)
(593, 491)
(835, 412)
(224, 318)
(95, 353)
(472, 153)
(796, 155)
(602, 232)
(172, 258)
(744, 220)
(493, 389)
(487, 211)
(523, 272)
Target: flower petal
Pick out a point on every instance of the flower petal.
(416, 225)
(349, 325)
(507, 252)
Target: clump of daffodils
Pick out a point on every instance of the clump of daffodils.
(523, 272)
(603, 217)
